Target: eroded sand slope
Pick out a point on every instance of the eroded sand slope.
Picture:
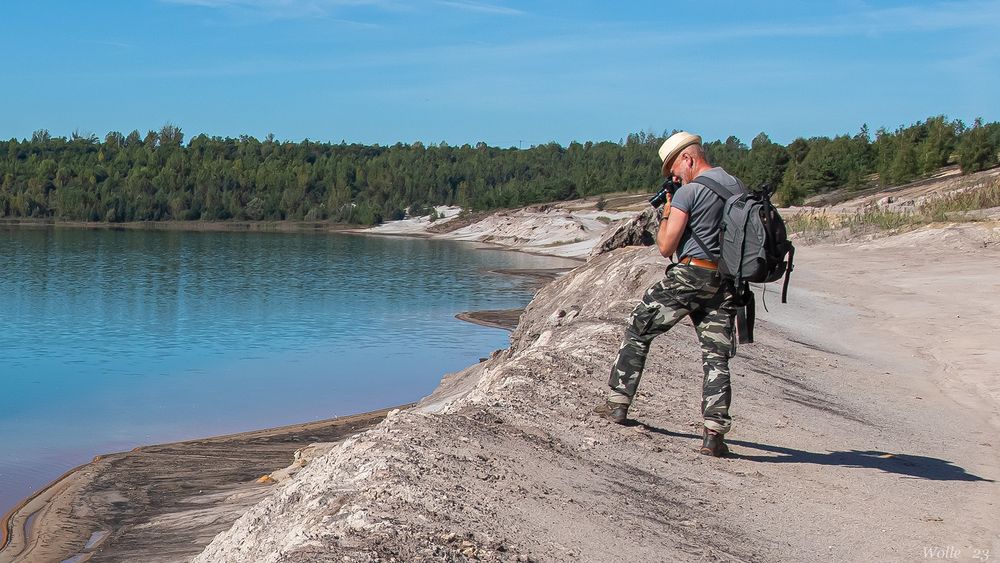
(866, 426)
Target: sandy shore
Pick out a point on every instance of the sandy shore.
(128, 506)
(501, 318)
(507, 319)
(866, 426)
(163, 502)
(564, 229)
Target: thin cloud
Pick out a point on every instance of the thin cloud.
(284, 9)
(106, 43)
(606, 39)
(481, 7)
(908, 19)
(294, 9)
(274, 5)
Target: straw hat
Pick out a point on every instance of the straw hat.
(673, 147)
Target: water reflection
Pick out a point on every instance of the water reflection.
(111, 339)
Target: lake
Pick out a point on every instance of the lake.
(113, 339)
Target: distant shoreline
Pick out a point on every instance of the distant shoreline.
(190, 226)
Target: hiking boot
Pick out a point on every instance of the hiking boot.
(615, 412)
(714, 444)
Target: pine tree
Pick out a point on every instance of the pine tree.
(937, 147)
(976, 151)
(904, 166)
(791, 191)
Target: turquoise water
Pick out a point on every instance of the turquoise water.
(112, 339)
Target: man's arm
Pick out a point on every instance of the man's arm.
(669, 234)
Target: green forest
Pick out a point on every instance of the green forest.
(157, 177)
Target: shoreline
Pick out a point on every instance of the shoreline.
(6, 520)
(479, 244)
(505, 319)
(54, 507)
(293, 227)
(192, 489)
(22, 525)
(188, 226)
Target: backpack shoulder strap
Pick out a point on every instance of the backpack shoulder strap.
(717, 189)
(714, 186)
(703, 246)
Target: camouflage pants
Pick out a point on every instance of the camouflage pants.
(685, 291)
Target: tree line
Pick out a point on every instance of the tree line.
(157, 177)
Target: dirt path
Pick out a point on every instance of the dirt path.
(879, 437)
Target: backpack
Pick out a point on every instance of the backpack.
(753, 246)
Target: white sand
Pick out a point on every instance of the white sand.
(417, 225)
(544, 230)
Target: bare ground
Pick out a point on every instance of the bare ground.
(947, 181)
(866, 422)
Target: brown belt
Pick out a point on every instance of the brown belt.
(707, 264)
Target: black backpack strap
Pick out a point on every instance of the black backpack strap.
(745, 317)
(746, 309)
(716, 187)
(704, 247)
(788, 272)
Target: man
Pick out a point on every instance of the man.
(692, 287)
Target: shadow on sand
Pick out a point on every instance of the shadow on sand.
(912, 466)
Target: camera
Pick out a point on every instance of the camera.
(668, 188)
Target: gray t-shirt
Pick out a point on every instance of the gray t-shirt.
(704, 210)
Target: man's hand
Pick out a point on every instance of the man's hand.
(664, 212)
(672, 226)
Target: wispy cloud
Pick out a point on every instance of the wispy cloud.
(295, 9)
(601, 40)
(482, 7)
(107, 43)
(905, 19)
(270, 10)
(274, 5)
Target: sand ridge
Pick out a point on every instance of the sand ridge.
(848, 443)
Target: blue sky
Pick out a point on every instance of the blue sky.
(501, 71)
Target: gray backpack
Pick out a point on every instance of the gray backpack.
(754, 245)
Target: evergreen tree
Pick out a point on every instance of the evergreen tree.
(904, 165)
(938, 146)
(976, 151)
(791, 190)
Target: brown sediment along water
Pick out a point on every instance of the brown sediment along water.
(163, 502)
(539, 276)
(507, 319)
(501, 318)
